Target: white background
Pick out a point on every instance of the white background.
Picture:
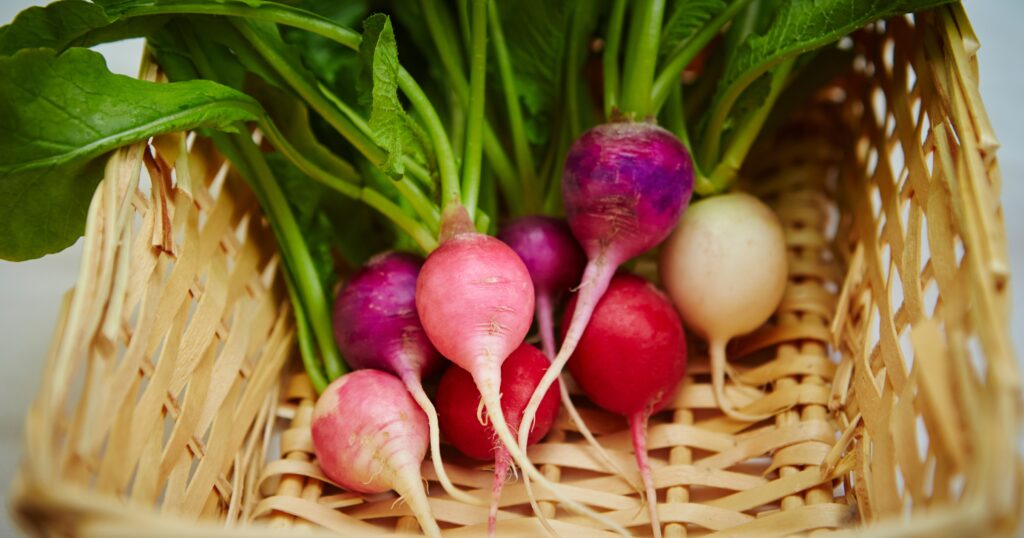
(30, 292)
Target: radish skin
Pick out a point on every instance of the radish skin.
(706, 268)
(376, 326)
(369, 436)
(475, 300)
(624, 186)
(631, 360)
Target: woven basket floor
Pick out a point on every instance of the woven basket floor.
(174, 403)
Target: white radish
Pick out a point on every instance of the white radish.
(725, 268)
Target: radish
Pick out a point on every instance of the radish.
(475, 300)
(630, 361)
(370, 436)
(725, 269)
(624, 186)
(459, 400)
(555, 261)
(376, 326)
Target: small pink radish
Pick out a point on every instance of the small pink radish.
(376, 326)
(725, 269)
(475, 300)
(458, 399)
(630, 361)
(370, 436)
(624, 186)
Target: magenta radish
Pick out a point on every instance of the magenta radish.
(555, 261)
(624, 187)
(370, 436)
(706, 267)
(458, 399)
(630, 361)
(376, 326)
(475, 300)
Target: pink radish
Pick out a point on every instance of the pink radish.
(624, 186)
(630, 361)
(706, 267)
(376, 326)
(458, 399)
(555, 261)
(370, 436)
(475, 300)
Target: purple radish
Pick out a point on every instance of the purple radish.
(630, 361)
(555, 261)
(370, 436)
(475, 299)
(376, 326)
(624, 187)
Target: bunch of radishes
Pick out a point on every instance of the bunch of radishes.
(625, 186)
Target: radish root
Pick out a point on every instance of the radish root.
(489, 392)
(718, 370)
(547, 336)
(416, 390)
(638, 428)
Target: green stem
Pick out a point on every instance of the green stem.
(297, 260)
(451, 61)
(520, 143)
(313, 368)
(475, 117)
(686, 51)
(363, 143)
(610, 59)
(435, 127)
(414, 168)
(344, 180)
(350, 124)
(642, 57)
(295, 253)
(333, 179)
(577, 43)
(674, 119)
(421, 235)
(743, 139)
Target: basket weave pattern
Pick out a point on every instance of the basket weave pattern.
(888, 367)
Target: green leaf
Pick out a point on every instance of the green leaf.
(392, 128)
(802, 25)
(59, 114)
(331, 62)
(535, 35)
(71, 23)
(685, 19)
(53, 26)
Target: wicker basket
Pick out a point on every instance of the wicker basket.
(172, 402)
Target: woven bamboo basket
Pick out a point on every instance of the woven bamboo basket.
(173, 402)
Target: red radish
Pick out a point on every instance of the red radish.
(705, 266)
(555, 261)
(370, 436)
(475, 299)
(376, 326)
(458, 399)
(630, 361)
(624, 186)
